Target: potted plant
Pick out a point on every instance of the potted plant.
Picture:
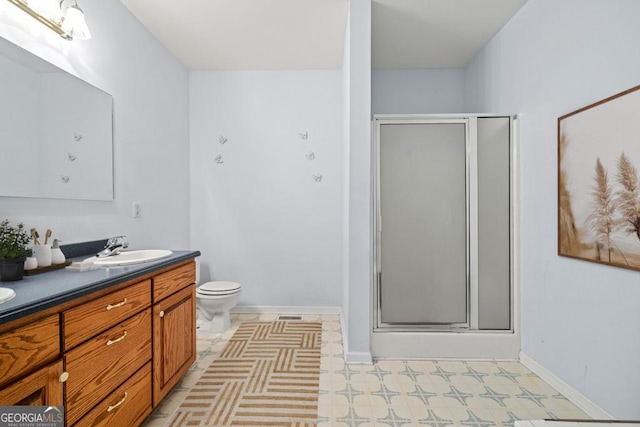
(14, 242)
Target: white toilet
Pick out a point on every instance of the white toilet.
(213, 301)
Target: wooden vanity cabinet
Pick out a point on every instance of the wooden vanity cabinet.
(174, 328)
(91, 318)
(29, 346)
(31, 371)
(120, 352)
(128, 405)
(100, 365)
(40, 388)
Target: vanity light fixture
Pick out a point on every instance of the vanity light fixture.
(48, 8)
(68, 24)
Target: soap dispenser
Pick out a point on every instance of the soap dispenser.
(57, 257)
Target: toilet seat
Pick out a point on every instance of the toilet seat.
(218, 288)
(214, 300)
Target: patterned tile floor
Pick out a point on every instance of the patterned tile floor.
(400, 392)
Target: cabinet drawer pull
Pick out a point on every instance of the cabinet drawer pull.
(162, 313)
(111, 408)
(117, 339)
(63, 377)
(120, 304)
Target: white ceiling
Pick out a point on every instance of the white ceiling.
(435, 33)
(310, 34)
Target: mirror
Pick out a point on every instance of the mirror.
(56, 131)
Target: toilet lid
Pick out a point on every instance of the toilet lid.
(219, 288)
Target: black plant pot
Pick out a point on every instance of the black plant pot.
(12, 269)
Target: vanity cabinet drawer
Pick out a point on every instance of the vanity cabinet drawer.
(128, 405)
(101, 364)
(28, 346)
(88, 319)
(172, 281)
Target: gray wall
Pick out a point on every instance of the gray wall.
(417, 91)
(579, 320)
(357, 184)
(259, 218)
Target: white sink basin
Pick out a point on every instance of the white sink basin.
(131, 257)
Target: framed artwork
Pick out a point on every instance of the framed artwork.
(598, 187)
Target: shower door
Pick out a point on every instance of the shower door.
(443, 223)
(423, 224)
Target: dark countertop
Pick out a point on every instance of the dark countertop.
(41, 291)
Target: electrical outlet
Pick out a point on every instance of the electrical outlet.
(136, 210)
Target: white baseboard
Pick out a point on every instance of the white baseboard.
(358, 358)
(581, 401)
(345, 336)
(285, 309)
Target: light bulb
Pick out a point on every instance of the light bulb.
(75, 25)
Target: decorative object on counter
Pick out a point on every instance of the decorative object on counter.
(72, 158)
(51, 267)
(78, 137)
(47, 235)
(68, 22)
(57, 257)
(42, 254)
(14, 241)
(310, 155)
(65, 178)
(218, 159)
(31, 263)
(35, 236)
(48, 256)
(222, 139)
(304, 135)
(317, 177)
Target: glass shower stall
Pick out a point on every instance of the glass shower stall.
(444, 236)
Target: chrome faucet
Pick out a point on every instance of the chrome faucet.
(113, 247)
